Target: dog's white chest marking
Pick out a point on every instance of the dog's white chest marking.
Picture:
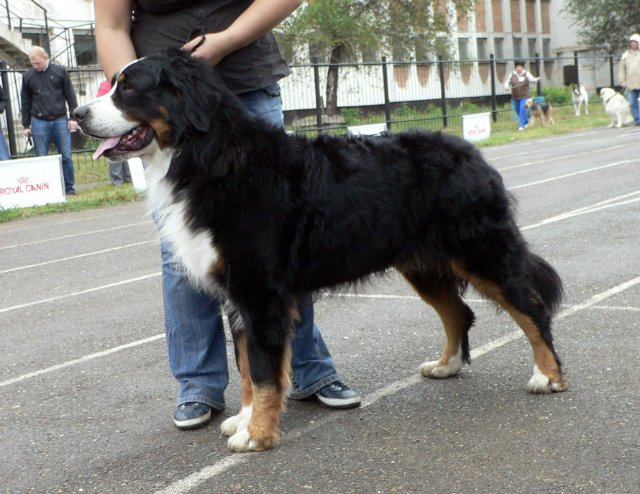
(193, 249)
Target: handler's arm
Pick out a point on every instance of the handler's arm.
(113, 38)
(259, 18)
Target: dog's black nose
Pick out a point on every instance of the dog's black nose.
(81, 113)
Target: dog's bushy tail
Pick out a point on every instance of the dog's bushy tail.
(546, 281)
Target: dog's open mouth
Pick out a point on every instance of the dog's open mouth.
(135, 139)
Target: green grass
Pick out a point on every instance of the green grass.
(94, 190)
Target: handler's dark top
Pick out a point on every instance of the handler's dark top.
(161, 24)
(45, 94)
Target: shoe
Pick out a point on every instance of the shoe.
(338, 395)
(520, 128)
(71, 192)
(192, 415)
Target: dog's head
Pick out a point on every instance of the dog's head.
(606, 93)
(529, 103)
(575, 89)
(155, 102)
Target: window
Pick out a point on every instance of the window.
(532, 48)
(498, 48)
(85, 47)
(481, 46)
(546, 48)
(517, 48)
(463, 49)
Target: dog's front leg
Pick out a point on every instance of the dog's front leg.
(240, 421)
(264, 361)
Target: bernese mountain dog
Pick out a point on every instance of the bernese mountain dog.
(259, 218)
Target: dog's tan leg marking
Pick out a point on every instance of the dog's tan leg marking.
(451, 311)
(547, 376)
(241, 421)
(267, 402)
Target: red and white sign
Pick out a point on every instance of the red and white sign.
(31, 182)
(476, 126)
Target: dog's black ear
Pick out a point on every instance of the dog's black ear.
(188, 77)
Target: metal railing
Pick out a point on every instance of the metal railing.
(429, 94)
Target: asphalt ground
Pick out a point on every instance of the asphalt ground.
(86, 396)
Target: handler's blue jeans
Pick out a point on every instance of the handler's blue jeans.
(195, 334)
(632, 98)
(521, 111)
(43, 131)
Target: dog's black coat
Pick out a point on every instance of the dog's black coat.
(291, 215)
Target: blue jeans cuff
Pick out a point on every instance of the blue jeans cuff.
(301, 394)
(216, 405)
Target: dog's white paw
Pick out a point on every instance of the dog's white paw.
(241, 442)
(234, 424)
(541, 384)
(439, 370)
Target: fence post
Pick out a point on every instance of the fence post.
(316, 83)
(538, 84)
(385, 83)
(575, 64)
(611, 70)
(443, 96)
(8, 14)
(11, 130)
(494, 100)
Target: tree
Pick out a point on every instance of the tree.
(605, 23)
(344, 27)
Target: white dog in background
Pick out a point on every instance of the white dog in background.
(580, 97)
(616, 106)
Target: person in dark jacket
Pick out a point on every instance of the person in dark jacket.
(4, 152)
(46, 93)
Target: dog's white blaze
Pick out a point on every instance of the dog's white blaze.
(111, 122)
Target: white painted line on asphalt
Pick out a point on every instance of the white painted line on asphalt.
(558, 158)
(79, 256)
(527, 152)
(73, 235)
(613, 202)
(197, 478)
(81, 360)
(574, 174)
(75, 294)
(7, 228)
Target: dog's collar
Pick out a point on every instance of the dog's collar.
(610, 98)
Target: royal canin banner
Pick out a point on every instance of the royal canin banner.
(31, 182)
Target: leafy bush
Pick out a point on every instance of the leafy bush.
(557, 95)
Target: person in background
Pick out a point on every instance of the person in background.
(46, 93)
(4, 152)
(519, 83)
(118, 169)
(629, 75)
(236, 37)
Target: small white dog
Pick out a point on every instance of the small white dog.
(580, 97)
(616, 106)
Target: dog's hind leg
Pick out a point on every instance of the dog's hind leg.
(268, 359)
(240, 421)
(442, 292)
(529, 290)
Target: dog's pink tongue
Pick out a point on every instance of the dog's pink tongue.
(108, 143)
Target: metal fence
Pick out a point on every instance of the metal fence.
(431, 94)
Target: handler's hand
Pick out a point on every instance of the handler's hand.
(72, 125)
(27, 132)
(215, 47)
